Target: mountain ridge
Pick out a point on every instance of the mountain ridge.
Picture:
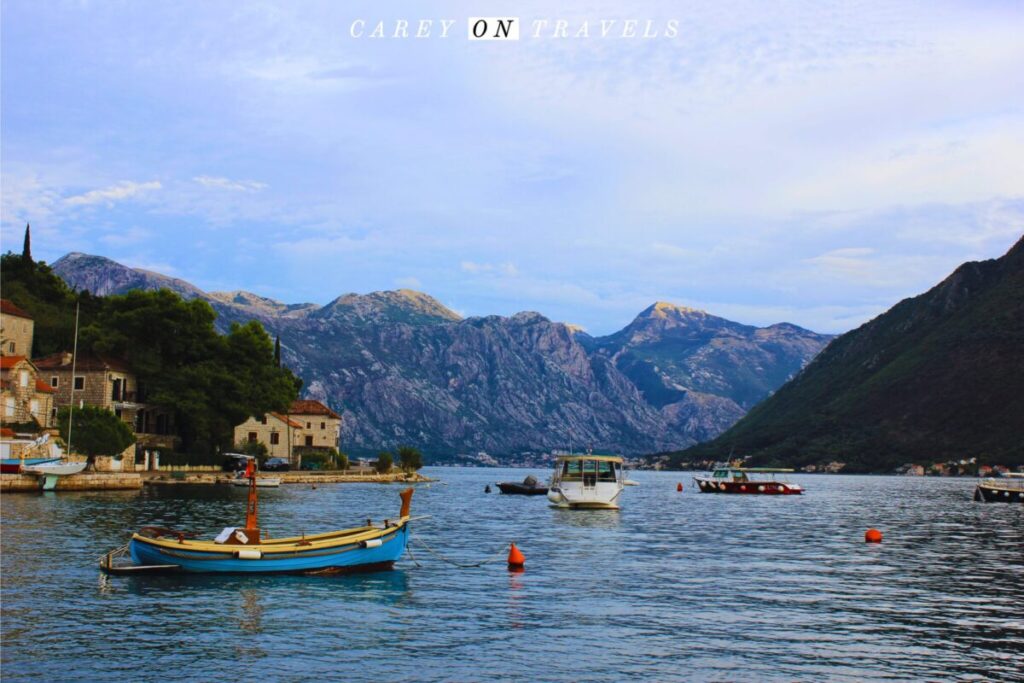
(402, 367)
(938, 376)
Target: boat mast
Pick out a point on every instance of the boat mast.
(74, 362)
(252, 508)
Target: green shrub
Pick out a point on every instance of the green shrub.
(384, 461)
(410, 458)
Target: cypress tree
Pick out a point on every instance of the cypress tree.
(277, 351)
(26, 250)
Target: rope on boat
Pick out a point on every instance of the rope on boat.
(116, 552)
(461, 565)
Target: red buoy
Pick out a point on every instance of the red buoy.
(516, 559)
(679, 487)
(873, 536)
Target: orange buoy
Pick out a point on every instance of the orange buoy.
(873, 536)
(679, 487)
(516, 559)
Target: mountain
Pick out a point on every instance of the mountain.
(403, 368)
(939, 376)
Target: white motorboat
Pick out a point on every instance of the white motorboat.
(261, 482)
(586, 482)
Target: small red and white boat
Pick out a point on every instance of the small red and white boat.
(737, 480)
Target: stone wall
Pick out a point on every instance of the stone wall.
(86, 481)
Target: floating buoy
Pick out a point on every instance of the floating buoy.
(516, 559)
(314, 487)
(679, 487)
(487, 489)
(873, 536)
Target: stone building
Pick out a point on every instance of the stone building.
(321, 425)
(307, 425)
(16, 330)
(108, 383)
(24, 397)
(274, 431)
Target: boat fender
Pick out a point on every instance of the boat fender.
(249, 554)
(372, 543)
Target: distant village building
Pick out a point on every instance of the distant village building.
(308, 425)
(24, 397)
(108, 383)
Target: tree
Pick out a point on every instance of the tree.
(212, 382)
(94, 431)
(410, 458)
(26, 249)
(384, 461)
(277, 351)
(342, 461)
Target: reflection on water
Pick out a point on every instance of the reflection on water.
(675, 586)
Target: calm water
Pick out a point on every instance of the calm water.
(674, 587)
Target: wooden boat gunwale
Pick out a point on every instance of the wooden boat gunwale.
(293, 544)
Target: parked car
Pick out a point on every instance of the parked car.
(276, 465)
(235, 462)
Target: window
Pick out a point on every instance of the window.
(9, 407)
(309, 441)
(23, 378)
(10, 348)
(55, 381)
(263, 420)
(252, 437)
(275, 438)
(309, 425)
(33, 406)
(323, 425)
(79, 383)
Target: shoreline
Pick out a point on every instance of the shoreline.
(124, 481)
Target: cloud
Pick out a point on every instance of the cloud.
(121, 238)
(228, 184)
(508, 268)
(115, 193)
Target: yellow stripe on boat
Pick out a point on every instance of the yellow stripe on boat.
(281, 545)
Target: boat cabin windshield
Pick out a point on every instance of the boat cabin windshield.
(590, 471)
(732, 475)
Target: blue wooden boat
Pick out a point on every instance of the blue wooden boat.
(246, 551)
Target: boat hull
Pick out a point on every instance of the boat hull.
(762, 488)
(13, 465)
(342, 558)
(519, 489)
(59, 469)
(998, 494)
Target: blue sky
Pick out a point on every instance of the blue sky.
(783, 161)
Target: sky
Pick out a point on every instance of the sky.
(774, 161)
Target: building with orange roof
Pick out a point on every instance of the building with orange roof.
(24, 398)
(308, 426)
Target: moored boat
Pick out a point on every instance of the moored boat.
(737, 480)
(246, 550)
(15, 465)
(261, 482)
(530, 486)
(586, 482)
(50, 472)
(1008, 488)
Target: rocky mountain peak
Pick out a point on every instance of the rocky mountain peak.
(400, 306)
